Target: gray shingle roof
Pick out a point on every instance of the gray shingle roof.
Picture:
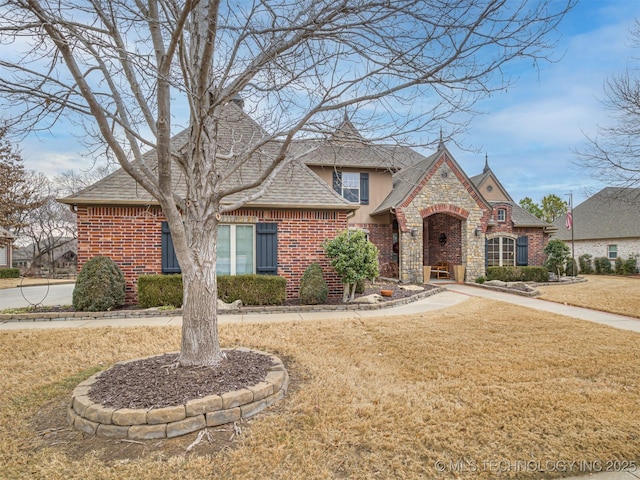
(611, 213)
(294, 187)
(405, 181)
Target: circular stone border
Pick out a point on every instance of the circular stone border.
(90, 417)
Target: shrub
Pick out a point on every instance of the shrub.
(9, 273)
(163, 290)
(313, 288)
(354, 258)
(159, 290)
(100, 286)
(629, 266)
(253, 289)
(586, 266)
(603, 266)
(518, 274)
(480, 280)
(557, 254)
(617, 266)
(572, 267)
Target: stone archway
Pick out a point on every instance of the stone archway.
(444, 235)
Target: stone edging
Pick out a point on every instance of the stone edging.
(144, 424)
(39, 317)
(531, 294)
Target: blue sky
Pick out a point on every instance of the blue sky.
(528, 132)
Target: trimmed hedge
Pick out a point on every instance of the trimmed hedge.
(518, 274)
(253, 289)
(602, 266)
(164, 290)
(313, 287)
(160, 291)
(9, 273)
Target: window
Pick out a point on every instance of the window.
(354, 187)
(501, 252)
(241, 249)
(235, 250)
(502, 215)
(612, 251)
(3, 255)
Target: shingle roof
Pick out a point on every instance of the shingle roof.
(611, 213)
(404, 182)
(522, 218)
(295, 186)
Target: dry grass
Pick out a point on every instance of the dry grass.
(475, 385)
(601, 292)
(27, 281)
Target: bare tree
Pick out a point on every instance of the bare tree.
(128, 69)
(613, 155)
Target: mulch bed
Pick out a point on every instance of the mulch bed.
(158, 382)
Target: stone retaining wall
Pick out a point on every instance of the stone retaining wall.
(168, 422)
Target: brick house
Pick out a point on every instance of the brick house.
(393, 193)
(607, 224)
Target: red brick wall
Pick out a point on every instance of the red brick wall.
(451, 251)
(131, 236)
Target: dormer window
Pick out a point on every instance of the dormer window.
(502, 215)
(353, 186)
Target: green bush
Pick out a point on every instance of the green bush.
(518, 274)
(313, 288)
(159, 290)
(602, 266)
(100, 286)
(9, 273)
(572, 267)
(480, 280)
(557, 254)
(163, 290)
(252, 289)
(586, 266)
(617, 266)
(629, 266)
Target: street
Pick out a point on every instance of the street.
(59, 294)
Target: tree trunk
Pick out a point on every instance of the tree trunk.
(200, 343)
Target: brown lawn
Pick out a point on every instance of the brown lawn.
(459, 393)
(600, 292)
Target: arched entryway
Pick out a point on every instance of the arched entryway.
(443, 240)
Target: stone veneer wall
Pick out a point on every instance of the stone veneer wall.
(131, 236)
(93, 418)
(444, 190)
(627, 247)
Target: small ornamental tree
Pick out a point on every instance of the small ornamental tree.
(354, 258)
(557, 254)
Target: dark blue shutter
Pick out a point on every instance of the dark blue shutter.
(364, 188)
(337, 182)
(169, 259)
(522, 251)
(267, 248)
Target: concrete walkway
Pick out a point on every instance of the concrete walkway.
(453, 295)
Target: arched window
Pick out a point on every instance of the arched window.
(501, 252)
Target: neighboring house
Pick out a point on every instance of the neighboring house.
(417, 210)
(6, 247)
(605, 225)
(54, 254)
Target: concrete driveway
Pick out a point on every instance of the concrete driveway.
(51, 295)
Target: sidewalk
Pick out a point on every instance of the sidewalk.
(454, 294)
